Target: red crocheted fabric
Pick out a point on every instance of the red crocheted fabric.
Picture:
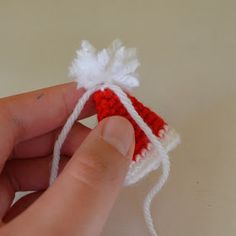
(108, 104)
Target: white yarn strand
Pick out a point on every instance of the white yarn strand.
(163, 154)
(65, 131)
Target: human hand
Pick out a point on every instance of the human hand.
(79, 201)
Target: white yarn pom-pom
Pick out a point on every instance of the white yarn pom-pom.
(114, 65)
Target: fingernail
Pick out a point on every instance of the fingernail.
(119, 133)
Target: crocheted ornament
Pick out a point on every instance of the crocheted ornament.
(108, 77)
(108, 104)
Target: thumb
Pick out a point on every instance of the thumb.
(79, 201)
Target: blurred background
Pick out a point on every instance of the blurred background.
(188, 55)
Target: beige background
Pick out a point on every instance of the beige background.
(188, 54)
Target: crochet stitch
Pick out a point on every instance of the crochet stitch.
(108, 76)
(108, 104)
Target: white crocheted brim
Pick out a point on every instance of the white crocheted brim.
(149, 159)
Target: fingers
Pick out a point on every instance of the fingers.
(43, 146)
(21, 205)
(24, 175)
(32, 114)
(7, 194)
(86, 190)
(30, 174)
(43, 110)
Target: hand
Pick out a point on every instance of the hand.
(79, 201)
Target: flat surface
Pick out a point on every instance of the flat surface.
(188, 54)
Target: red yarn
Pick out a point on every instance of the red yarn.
(108, 104)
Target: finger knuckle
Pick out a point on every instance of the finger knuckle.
(94, 170)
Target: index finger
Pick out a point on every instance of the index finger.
(35, 113)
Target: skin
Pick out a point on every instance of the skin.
(92, 169)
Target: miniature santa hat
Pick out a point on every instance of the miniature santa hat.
(108, 77)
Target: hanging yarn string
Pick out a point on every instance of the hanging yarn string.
(114, 69)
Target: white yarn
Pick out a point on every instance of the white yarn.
(149, 160)
(65, 131)
(162, 153)
(112, 68)
(115, 64)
